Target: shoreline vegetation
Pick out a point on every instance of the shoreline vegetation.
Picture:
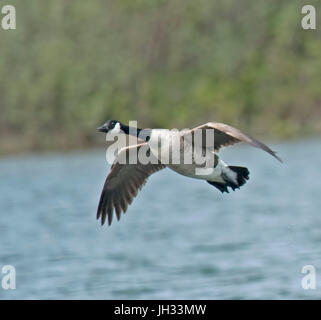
(71, 65)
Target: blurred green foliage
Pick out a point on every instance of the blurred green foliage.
(71, 65)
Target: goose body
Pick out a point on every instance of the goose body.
(173, 142)
(192, 153)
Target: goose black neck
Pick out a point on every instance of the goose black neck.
(143, 134)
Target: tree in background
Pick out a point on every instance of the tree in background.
(71, 65)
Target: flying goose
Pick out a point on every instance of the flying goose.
(125, 179)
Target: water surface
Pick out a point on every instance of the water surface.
(180, 239)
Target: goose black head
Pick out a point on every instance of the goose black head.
(111, 126)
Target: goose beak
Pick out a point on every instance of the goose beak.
(103, 128)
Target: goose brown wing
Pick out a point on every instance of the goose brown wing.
(123, 183)
(225, 135)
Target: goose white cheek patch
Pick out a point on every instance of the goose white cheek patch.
(116, 129)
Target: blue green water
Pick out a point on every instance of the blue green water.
(180, 239)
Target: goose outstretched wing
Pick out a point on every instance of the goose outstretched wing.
(225, 135)
(123, 183)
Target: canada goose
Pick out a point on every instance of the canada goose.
(125, 180)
